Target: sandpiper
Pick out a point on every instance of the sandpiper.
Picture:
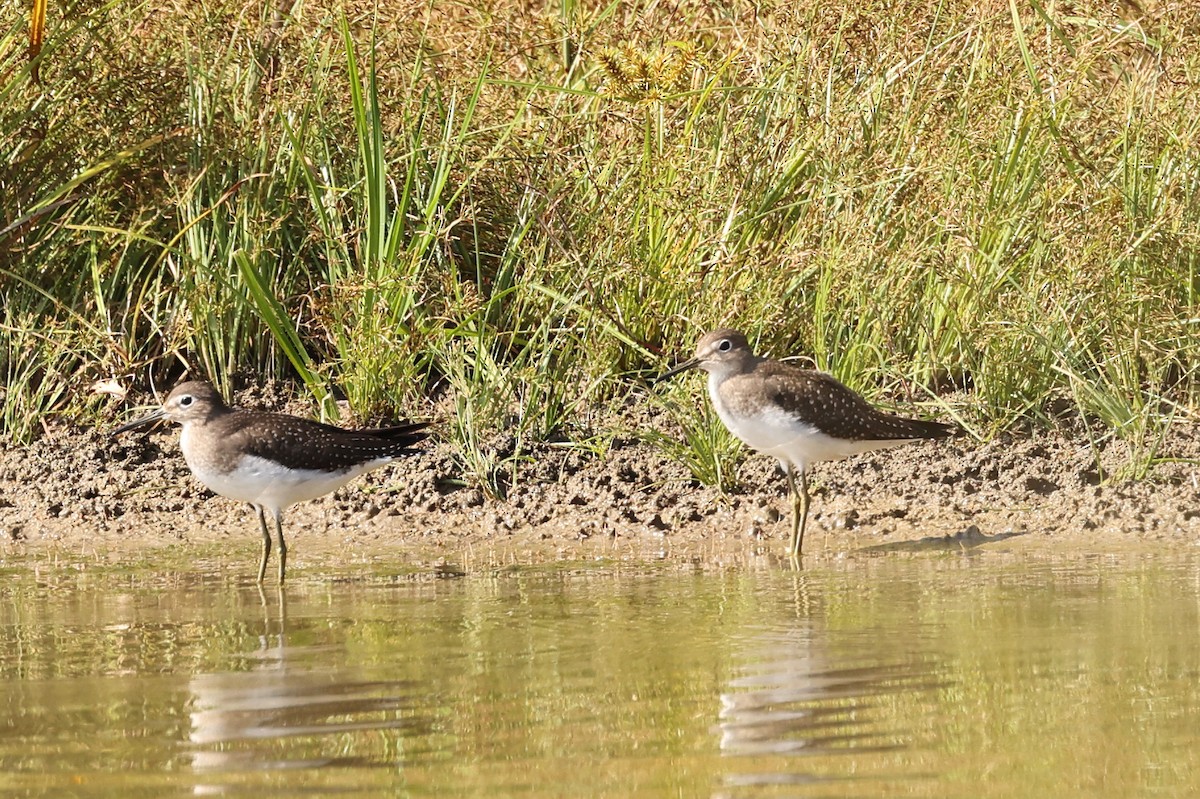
(799, 416)
(272, 460)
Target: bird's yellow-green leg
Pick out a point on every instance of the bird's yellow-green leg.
(799, 509)
(266, 548)
(282, 546)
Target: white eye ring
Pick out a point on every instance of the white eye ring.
(725, 346)
(185, 400)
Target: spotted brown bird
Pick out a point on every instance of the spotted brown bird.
(272, 460)
(799, 416)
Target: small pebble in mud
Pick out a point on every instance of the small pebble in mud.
(971, 531)
(656, 522)
(471, 498)
(846, 520)
(505, 522)
(770, 515)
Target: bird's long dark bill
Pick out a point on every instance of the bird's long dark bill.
(691, 363)
(153, 417)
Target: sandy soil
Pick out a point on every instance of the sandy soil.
(83, 491)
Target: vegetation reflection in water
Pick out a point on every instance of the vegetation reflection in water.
(927, 676)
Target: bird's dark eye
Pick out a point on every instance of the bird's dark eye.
(185, 401)
(725, 346)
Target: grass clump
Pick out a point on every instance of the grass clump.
(527, 209)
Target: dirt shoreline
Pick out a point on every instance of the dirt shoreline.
(83, 492)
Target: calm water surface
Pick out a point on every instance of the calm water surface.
(994, 674)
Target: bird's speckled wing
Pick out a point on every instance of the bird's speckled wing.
(307, 444)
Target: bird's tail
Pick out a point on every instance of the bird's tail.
(406, 435)
(921, 428)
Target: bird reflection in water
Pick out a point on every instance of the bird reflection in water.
(288, 707)
(794, 696)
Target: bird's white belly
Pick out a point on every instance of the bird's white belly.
(773, 431)
(266, 483)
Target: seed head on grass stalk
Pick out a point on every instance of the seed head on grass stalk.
(642, 76)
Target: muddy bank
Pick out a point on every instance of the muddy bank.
(83, 491)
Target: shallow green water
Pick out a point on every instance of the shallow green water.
(995, 674)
